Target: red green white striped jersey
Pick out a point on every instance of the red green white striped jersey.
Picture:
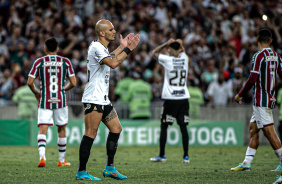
(52, 71)
(266, 63)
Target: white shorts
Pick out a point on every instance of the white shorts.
(262, 116)
(45, 116)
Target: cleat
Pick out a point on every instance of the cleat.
(242, 167)
(158, 159)
(62, 164)
(42, 163)
(278, 180)
(111, 171)
(278, 169)
(186, 160)
(83, 175)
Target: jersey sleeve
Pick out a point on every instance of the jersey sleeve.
(164, 59)
(34, 69)
(256, 62)
(101, 53)
(70, 70)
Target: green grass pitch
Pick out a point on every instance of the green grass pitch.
(18, 164)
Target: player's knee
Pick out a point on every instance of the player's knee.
(61, 129)
(91, 132)
(118, 129)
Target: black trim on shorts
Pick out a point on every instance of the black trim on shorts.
(104, 109)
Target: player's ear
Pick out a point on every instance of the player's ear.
(270, 41)
(45, 50)
(102, 33)
(57, 50)
(257, 39)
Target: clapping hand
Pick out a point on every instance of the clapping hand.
(132, 44)
(124, 41)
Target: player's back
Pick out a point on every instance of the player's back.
(175, 79)
(52, 71)
(266, 62)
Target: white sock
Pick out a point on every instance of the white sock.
(278, 153)
(41, 139)
(250, 154)
(62, 143)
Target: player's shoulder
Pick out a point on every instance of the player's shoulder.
(259, 55)
(65, 59)
(165, 57)
(96, 45)
(39, 60)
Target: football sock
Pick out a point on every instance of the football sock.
(250, 153)
(163, 137)
(278, 153)
(62, 143)
(185, 139)
(111, 146)
(84, 152)
(41, 139)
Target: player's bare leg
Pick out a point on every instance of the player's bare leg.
(251, 150)
(92, 121)
(254, 136)
(272, 137)
(41, 139)
(62, 144)
(115, 128)
(275, 143)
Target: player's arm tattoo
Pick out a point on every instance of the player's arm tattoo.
(114, 56)
(110, 116)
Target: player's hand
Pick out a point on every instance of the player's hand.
(171, 40)
(124, 41)
(238, 99)
(134, 42)
(38, 95)
(179, 41)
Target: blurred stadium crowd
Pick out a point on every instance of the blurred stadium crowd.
(219, 37)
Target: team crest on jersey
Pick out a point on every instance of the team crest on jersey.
(169, 119)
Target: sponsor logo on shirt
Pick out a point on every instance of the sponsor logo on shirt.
(178, 92)
(178, 67)
(54, 100)
(52, 64)
(178, 60)
(271, 58)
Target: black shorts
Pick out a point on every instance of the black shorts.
(175, 109)
(105, 109)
